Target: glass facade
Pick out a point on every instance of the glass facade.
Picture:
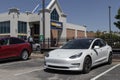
(4, 27)
(54, 15)
(22, 27)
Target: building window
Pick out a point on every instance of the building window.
(22, 27)
(5, 27)
(54, 15)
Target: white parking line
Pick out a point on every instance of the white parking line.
(14, 62)
(105, 72)
(18, 74)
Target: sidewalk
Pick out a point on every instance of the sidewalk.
(37, 55)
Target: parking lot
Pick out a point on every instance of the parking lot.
(33, 69)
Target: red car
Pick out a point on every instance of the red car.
(14, 47)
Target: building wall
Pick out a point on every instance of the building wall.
(68, 29)
(14, 18)
(4, 17)
(33, 17)
(62, 19)
(79, 31)
(70, 33)
(91, 34)
(54, 33)
(80, 34)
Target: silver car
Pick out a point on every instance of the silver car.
(36, 46)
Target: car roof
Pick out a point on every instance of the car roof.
(10, 37)
(86, 38)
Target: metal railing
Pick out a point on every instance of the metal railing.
(54, 43)
(114, 43)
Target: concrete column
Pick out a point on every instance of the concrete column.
(47, 24)
(14, 25)
(41, 24)
(28, 29)
(63, 19)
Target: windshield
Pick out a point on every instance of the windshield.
(78, 44)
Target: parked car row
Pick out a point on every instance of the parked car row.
(75, 55)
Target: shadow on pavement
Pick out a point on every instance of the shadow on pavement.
(10, 60)
(63, 72)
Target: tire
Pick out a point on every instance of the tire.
(87, 65)
(110, 59)
(24, 55)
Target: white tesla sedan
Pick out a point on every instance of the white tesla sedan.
(79, 55)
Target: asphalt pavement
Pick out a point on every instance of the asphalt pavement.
(33, 69)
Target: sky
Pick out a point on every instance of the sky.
(94, 14)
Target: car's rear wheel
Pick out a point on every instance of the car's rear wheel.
(24, 55)
(110, 58)
(87, 65)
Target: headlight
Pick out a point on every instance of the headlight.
(76, 56)
(46, 54)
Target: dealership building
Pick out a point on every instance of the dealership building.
(18, 24)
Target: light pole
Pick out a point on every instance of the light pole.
(43, 9)
(110, 35)
(110, 20)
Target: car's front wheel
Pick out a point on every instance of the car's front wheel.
(24, 55)
(87, 65)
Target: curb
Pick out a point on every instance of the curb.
(37, 55)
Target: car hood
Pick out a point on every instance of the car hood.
(64, 53)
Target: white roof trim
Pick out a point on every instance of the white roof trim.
(51, 3)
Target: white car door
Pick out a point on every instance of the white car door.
(104, 49)
(98, 52)
(96, 56)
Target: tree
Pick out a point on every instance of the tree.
(98, 33)
(117, 24)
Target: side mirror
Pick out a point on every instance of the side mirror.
(96, 47)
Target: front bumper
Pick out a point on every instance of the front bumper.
(63, 64)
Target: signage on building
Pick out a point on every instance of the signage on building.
(41, 37)
(56, 25)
